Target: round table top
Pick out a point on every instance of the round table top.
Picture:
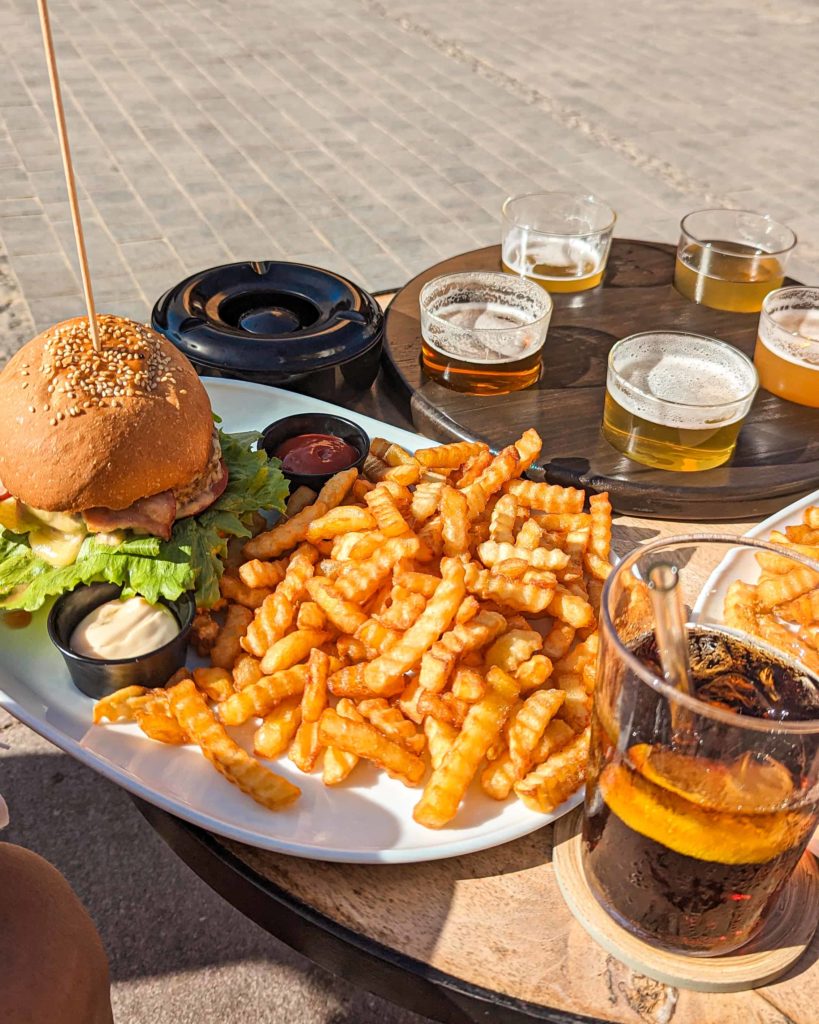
(475, 938)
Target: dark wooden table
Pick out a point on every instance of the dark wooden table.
(479, 938)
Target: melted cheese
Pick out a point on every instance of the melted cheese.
(55, 547)
(56, 537)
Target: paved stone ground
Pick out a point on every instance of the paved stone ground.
(374, 138)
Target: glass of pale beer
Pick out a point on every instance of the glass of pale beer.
(677, 401)
(559, 240)
(787, 345)
(731, 259)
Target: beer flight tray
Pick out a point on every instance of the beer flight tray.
(777, 456)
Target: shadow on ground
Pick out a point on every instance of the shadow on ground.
(174, 945)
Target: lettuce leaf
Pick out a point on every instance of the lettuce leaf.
(190, 560)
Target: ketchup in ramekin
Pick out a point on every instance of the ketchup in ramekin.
(313, 446)
(309, 454)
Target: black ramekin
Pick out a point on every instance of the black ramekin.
(97, 678)
(315, 423)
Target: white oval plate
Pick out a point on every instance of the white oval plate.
(366, 821)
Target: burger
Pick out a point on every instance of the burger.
(113, 469)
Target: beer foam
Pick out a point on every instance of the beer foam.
(524, 252)
(500, 338)
(794, 336)
(701, 379)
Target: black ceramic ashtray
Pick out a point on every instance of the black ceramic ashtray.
(312, 423)
(285, 324)
(97, 678)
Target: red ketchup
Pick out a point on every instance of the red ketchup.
(308, 454)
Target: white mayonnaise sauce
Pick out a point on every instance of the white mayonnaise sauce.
(124, 629)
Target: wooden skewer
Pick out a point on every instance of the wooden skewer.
(68, 167)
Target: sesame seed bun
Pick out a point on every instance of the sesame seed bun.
(80, 429)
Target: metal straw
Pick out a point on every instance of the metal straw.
(669, 625)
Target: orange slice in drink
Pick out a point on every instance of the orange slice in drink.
(696, 831)
(751, 784)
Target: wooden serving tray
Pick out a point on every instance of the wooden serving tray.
(777, 456)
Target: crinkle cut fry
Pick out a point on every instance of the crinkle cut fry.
(800, 580)
(529, 724)
(600, 534)
(804, 609)
(528, 447)
(546, 497)
(360, 581)
(520, 596)
(288, 533)
(121, 705)
(439, 661)
(449, 455)
(739, 608)
(385, 511)
(431, 623)
(448, 783)
(493, 552)
(259, 698)
(195, 717)
(339, 763)
(502, 520)
(278, 610)
(499, 471)
(278, 728)
(364, 740)
(545, 788)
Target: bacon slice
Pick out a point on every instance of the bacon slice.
(205, 497)
(153, 515)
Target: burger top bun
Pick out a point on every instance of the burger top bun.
(80, 429)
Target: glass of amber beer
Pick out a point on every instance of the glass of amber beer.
(731, 259)
(677, 401)
(699, 805)
(482, 332)
(787, 345)
(557, 239)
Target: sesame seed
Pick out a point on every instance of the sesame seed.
(53, 422)
(31, 408)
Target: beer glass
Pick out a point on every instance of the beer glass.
(731, 259)
(787, 345)
(557, 239)
(483, 332)
(699, 805)
(676, 401)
